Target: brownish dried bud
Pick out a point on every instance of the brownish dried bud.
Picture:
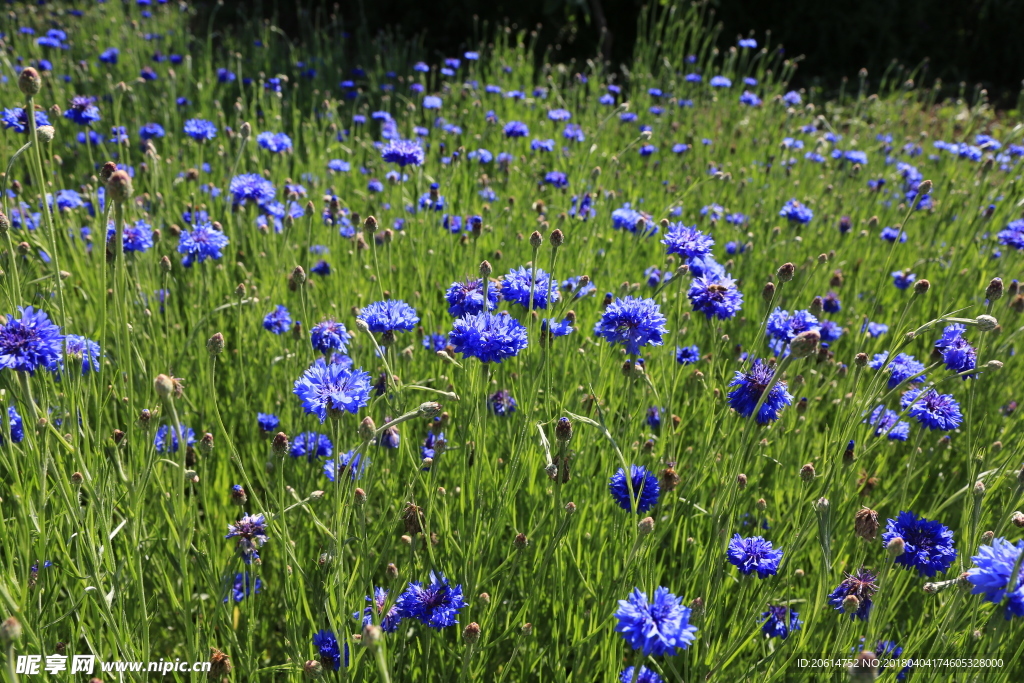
(922, 286)
(865, 524)
(536, 240)
(807, 472)
(994, 291)
(741, 481)
(220, 664)
(768, 293)
(520, 541)
(280, 443)
(860, 360)
(556, 238)
(471, 634)
(645, 527)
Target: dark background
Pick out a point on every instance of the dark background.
(971, 41)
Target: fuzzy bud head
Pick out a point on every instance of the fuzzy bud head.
(851, 603)
(807, 472)
(485, 269)
(520, 541)
(280, 443)
(895, 547)
(10, 630)
(367, 429)
(120, 186)
(922, 286)
(986, 323)
(645, 527)
(563, 430)
(994, 290)
(164, 386)
(215, 344)
(245, 130)
(741, 481)
(46, 133)
(29, 81)
(805, 344)
(313, 669)
(786, 272)
(536, 240)
(556, 238)
(925, 187)
(471, 634)
(768, 293)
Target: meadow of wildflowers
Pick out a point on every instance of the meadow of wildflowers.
(370, 365)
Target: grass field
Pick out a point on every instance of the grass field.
(785, 319)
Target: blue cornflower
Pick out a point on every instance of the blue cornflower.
(225, 75)
(890, 234)
(326, 389)
(322, 268)
(928, 544)
(628, 218)
(150, 131)
(574, 132)
(632, 322)
(1011, 236)
(875, 330)
(902, 368)
(795, 212)
(329, 651)
(251, 186)
(251, 534)
(932, 409)
(110, 55)
(200, 130)
(351, 463)
(434, 342)
(278, 320)
(657, 627)
(16, 425)
(888, 422)
(432, 102)
(715, 296)
(274, 142)
(137, 237)
(501, 403)
(830, 331)
(645, 489)
(754, 554)
(403, 152)
(578, 288)
(687, 355)
(311, 446)
(542, 145)
(339, 166)
(468, 297)
(85, 351)
(720, 82)
(329, 335)
(15, 119)
(750, 386)
(959, 356)
(388, 620)
(993, 575)
(201, 243)
(559, 115)
(750, 99)
(436, 605)
(516, 129)
(654, 417)
(687, 241)
(242, 586)
(902, 279)
(160, 439)
(489, 337)
(645, 675)
(785, 326)
(515, 288)
(950, 334)
(267, 422)
(777, 625)
(830, 303)
(30, 341)
(557, 179)
(83, 111)
(860, 585)
(556, 327)
(388, 316)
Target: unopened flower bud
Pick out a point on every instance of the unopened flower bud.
(851, 603)
(563, 430)
(245, 130)
(485, 598)
(570, 508)
(165, 263)
(120, 186)
(471, 634)
(807, 472)
(536, 240)
(520, 541)
(556, 238)
(786, 272)
(10, 630)
(359, 496)
(805, 344)
(925, 187)
(741, 481)
(215, 344)
(164, 386)
(46, 133)
(280, 443)
(313, 669)
(298, 275)
(922, 286)
(29, 81)
(994, 291)
(768, 293)
(645, 527)
(238, 495)
(986, 323)
(1017, 518)
(895, 547)
(821, 505)
(206, 443)
(761, 504)
(527, 629)
(860, 360)
(367, 429)
(429, 409)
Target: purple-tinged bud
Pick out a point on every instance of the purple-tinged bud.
(215, 344)
(238, 495)
(120, 186)
(994, 291)
(761, 504)
(520, 542)
(563, 430)
(786, 272)
(280, 443)
(860, 360)
(30, 82)
(741, 481)
(768, 293)
(645, 527)
(1017, 518)
(807, 473)
(471, 634)
(206, 443)
(570, 508)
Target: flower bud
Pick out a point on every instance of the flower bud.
(786, 272)
(215, 344)
(238, 495)
(645, 527)
(245, 130)
(556, 238)
(46, 133)
(570, 508)
(280, 443)
(821, 505)
(536, 240)
(206, 443)
(359, 497)
(807, 472)
(298, 275)
(520, 541)
(895, 547)
(471, 634)
(768, 293)
(986, 323)
(429, 409)
(563, 430)
(164, 386)
(367, 429)
(925, 187)
(860, 360)
(994, 291)
(29, 81)
(741, 481)
(805, 344)
(922, 286)
(313, 669)
(120, 186)
(851, 603)
(10, 630)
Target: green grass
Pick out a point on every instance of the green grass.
(139, 558)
